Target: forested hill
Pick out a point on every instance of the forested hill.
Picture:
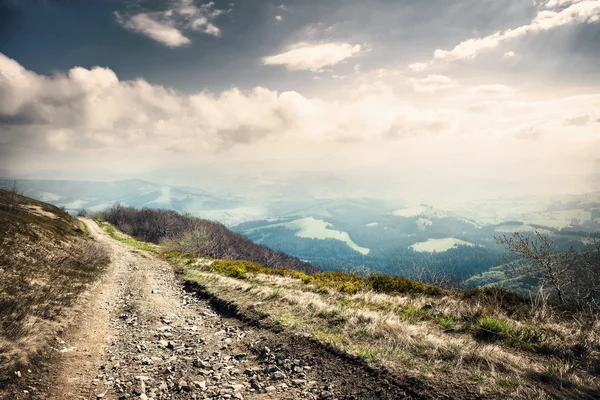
(197, 237)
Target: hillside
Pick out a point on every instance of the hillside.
(46, 261)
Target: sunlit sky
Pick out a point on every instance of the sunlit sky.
(458, 98)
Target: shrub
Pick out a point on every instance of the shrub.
(400, 285)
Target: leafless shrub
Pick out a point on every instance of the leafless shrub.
(9, 199)
(443, 278)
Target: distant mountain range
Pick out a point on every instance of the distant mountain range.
(383, 235)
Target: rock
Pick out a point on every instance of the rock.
(237, 387)
(183, 386)
(270, 389)
(200, 384)
(140, 387)
(278, 375)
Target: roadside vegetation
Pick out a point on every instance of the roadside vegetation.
(449, 338)
(47, 260)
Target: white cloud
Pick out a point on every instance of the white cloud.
(311, 56)
(161, 31)
(560, 3)
(432, 83)
(278, 18)
(509, 54)
(493, 89)
(584, 11)
(166, 27)
(418, 67)
(89, 114)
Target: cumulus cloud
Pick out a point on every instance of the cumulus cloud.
(313, 57)
(92, 107)
(551, 15)
(278, 18)
(166, 27)
(89, 114)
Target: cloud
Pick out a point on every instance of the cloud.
(550, 16)
(161, 31)
(278, 18)
(418, 67)
(89, 117)
(494, 89)
(509, 54)
(432, 83)
(92, 108)
(166, 27)
(313, 57)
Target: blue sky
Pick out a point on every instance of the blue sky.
(491, 87)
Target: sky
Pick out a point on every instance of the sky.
(393, 98)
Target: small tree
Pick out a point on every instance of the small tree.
(573, 276)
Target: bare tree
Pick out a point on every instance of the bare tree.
(573, 276)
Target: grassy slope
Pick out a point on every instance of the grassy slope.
(496, 342)
(46, 260)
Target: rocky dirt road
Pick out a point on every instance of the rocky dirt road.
(139, 334)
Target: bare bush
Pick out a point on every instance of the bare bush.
(446, 279)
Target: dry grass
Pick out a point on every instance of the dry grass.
(46, 261)
(450, 339)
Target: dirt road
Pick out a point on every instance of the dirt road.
(140, 335)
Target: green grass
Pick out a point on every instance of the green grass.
(84, 228)
(364, 352)
(337, 280)
(108, 228)
(524, 336)
(447, 322)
